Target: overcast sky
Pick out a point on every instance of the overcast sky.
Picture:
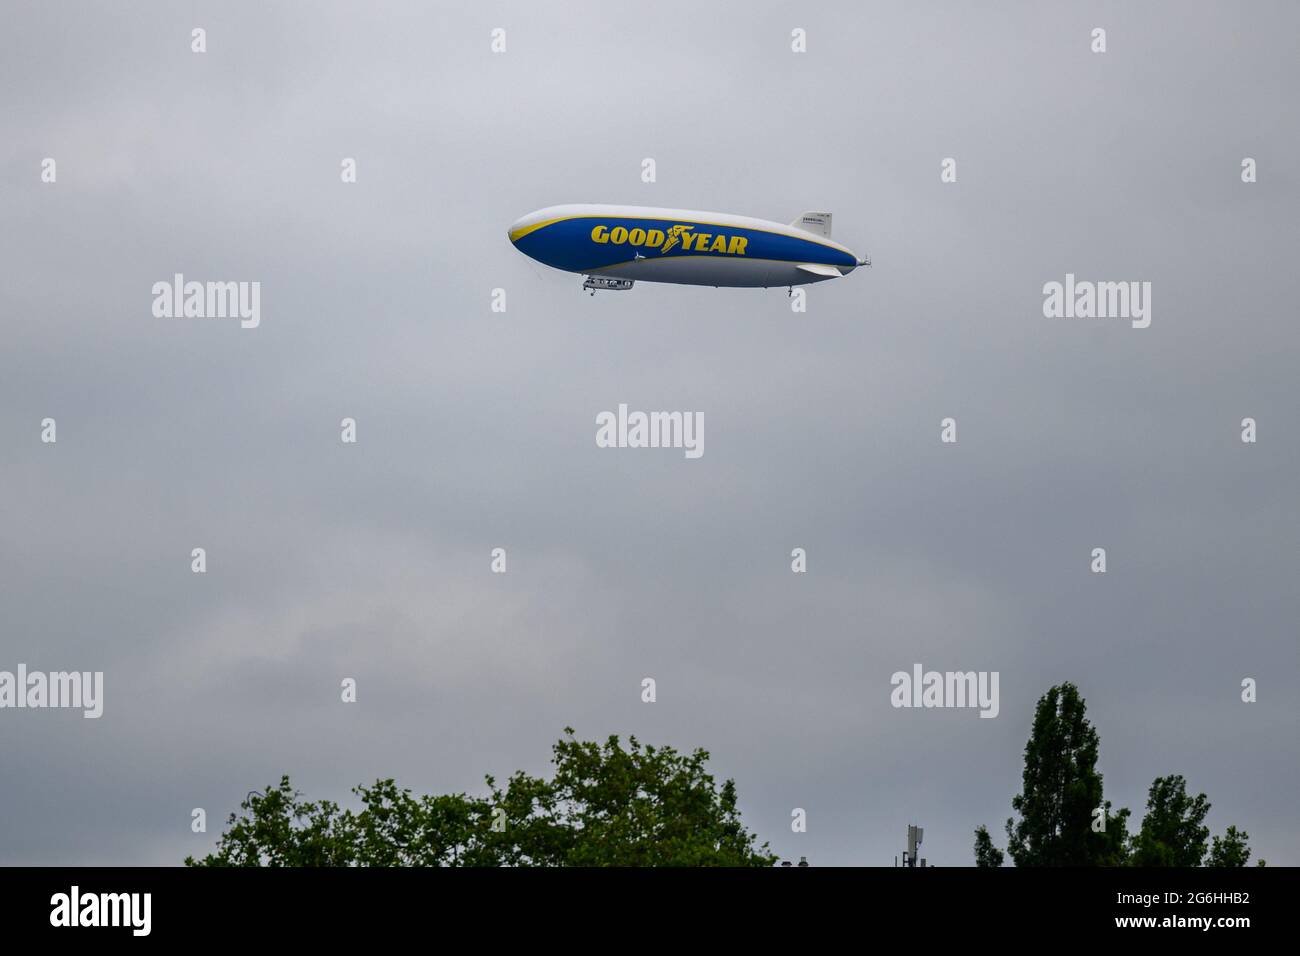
(476, 429)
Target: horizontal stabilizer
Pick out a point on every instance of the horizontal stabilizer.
(818, 269)
(818, 223)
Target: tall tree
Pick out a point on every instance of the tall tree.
(1231, 849)
(606, 805)
(1064, 820)
(1173, 831)
(986, 854)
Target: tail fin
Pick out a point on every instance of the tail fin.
(818, 223)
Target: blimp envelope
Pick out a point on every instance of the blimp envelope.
(617, 245)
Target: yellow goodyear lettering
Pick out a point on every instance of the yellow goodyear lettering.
(680, 234)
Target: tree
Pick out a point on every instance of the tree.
(606, 805)
(639, 806)
(1064, 820)
(1231, 849)
(279, 828)
(986, 854)
(1173, 831)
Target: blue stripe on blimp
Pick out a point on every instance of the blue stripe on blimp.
(585, 243)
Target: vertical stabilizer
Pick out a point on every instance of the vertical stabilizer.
(818, 223)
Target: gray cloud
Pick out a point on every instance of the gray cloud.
(476, 429)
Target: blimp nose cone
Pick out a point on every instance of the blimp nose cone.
(522, 226)
(538, 219)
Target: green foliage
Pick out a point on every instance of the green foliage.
(1061, 790)
(1172, 832)
(611, 806)
(280, 828)
(1231, 849)
(986, 854)
(606, 805)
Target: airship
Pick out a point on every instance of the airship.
(616, 246)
